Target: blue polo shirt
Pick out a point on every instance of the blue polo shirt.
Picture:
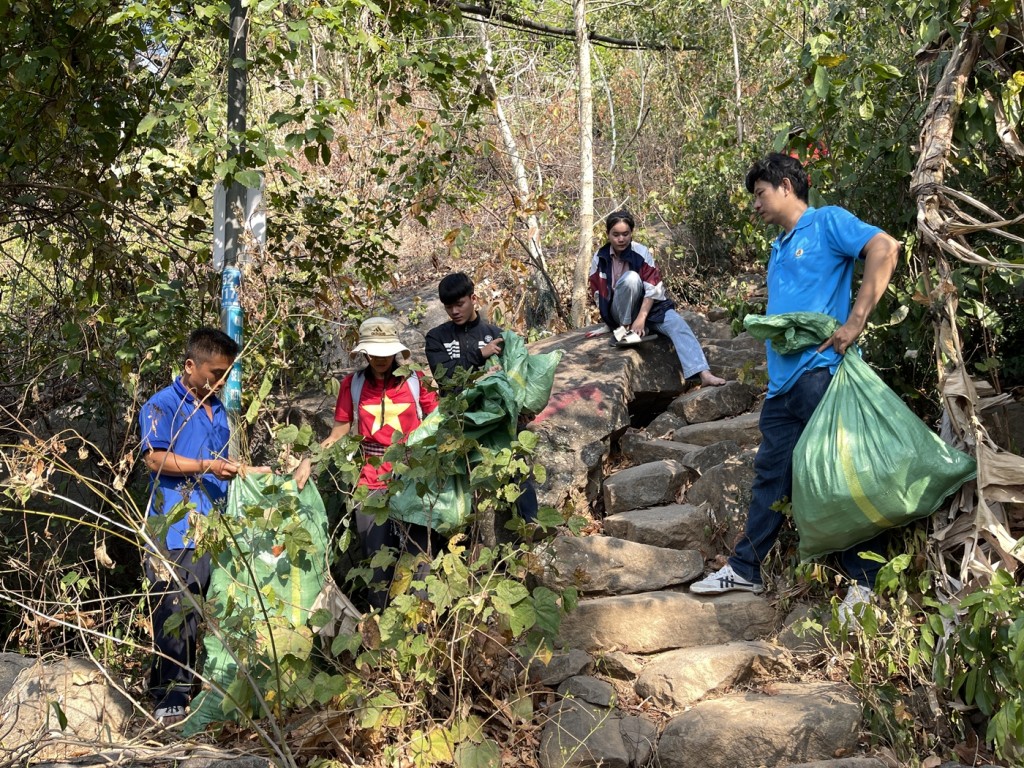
(811, 270)
(173, 420)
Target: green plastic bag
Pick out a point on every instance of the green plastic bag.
(494, 403)
(865, 463)
(261, 591)
(791, 332)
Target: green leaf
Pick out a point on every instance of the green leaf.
(147, 123)
(62, 719)
(487, 754)
(821, 83)
(867, 109)
(250, 179)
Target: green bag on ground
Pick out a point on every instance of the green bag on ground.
(494, 403)
(865, 463)
(261, 591)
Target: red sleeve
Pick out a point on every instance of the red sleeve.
(343, 409)
(428, 397)
(650, 273)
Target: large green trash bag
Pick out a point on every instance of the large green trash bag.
(261, 592)
(791, 332)
(865, 463)
(494, 404)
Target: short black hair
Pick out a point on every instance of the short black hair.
(620, 215)
(204, 343)
(776, 167)
(454, 287)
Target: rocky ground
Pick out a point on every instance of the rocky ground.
(647, 674)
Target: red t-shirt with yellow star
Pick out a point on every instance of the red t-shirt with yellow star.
(385, 407)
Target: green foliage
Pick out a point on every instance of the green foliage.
(982, 661)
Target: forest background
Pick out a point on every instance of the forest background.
(398, 142)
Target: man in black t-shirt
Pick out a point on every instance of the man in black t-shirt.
(468, 342)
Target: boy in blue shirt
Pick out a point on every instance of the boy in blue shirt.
(810, 270)
(184, 433)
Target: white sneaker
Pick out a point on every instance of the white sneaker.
(725, 579)
(853, 605)
(620, 332)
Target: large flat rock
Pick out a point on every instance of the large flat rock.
(640, 448)
(740, 429)
(713, 403)
(613, 566)
(796, 723)
(646, 485)
(676, 679)
(674, 526)
(661, 621)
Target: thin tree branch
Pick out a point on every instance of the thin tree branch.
(488, 14)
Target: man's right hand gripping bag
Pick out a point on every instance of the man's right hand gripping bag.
(865, 462)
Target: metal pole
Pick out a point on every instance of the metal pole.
(231, 277)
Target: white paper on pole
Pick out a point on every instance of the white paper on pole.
(255, 222)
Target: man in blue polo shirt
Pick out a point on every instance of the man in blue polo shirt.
(810, 270)
(184, 432)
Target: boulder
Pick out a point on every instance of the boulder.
(714, 403)
(726, 490)
(561, 666)
(806, 640)
(580, 735)
(646, 485)
(665, 425)
(612, 566)
(588, 689)
(11, 665)
(660, 621)
(703, 459)
(639, 737)
(640, 448)
(675, 526)
(66, 709)
(740, 429)
(677, 679)
(795, 723)
(619, 665)
(703, 328)
(589, 405)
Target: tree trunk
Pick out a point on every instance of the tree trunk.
(580, 292)
(543, 293)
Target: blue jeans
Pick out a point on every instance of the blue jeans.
(783, 419)
(626, 300)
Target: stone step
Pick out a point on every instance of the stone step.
(740, 429)
(646, 485)
(605, 565)
(641, 448)
(676, 679)
(660, 621)
(789, 724)
(714, 403)
(726, 489)
(674, 526)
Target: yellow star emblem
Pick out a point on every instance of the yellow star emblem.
(385, 413)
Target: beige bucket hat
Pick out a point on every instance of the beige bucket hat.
(378, 336)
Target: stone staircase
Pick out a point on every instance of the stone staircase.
(650, 674)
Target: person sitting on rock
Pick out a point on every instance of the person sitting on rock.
(631, 298)
(380, 405)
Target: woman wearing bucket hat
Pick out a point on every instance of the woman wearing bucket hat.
(379, 405)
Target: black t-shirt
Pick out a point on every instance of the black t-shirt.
(453, 346)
